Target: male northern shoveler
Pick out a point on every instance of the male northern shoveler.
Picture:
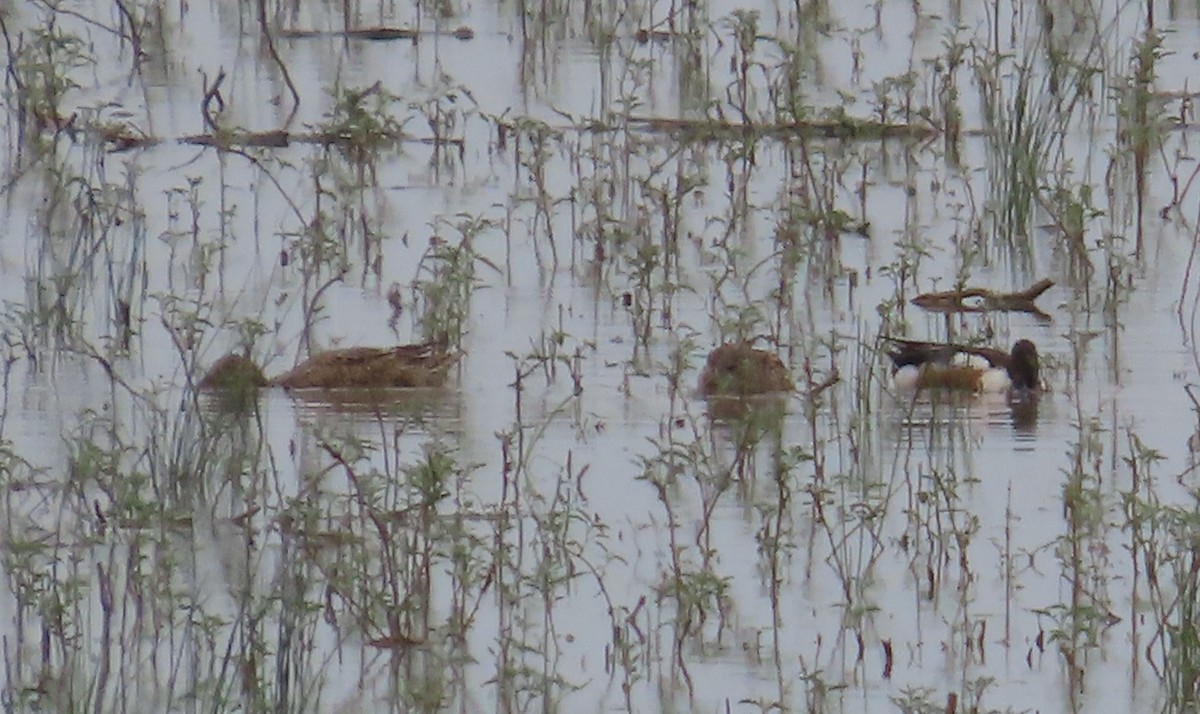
(931, 365)
(423, 365)
(737, 369)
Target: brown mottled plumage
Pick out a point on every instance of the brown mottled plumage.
(737, 369)
(233, 372)
(423, 365)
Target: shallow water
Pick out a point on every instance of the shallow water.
(567, 525)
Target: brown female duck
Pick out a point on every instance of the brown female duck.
(423, 365)
(736, 369)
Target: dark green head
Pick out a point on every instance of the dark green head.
(1023, 366)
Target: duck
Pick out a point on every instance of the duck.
(418, 365)
(737, 369)
(933, 365)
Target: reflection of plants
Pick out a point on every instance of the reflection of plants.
(125, 505)
(777, 538)
(1120, 266)
(45, 583)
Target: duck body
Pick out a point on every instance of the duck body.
(933, 365)
(736, 369)
(421, 365)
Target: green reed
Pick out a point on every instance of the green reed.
(446, 280)
(1165, 583)
(43, 62)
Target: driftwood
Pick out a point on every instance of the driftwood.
(380, 33)
(983, 300)
(715, 129)
(122, 139)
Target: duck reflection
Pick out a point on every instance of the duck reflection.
(760, 410)
(1024, 411)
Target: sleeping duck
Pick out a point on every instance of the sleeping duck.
(422, 365)
(735, 369)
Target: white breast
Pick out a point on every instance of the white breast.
(966, 359)
(995, 380)
(907, 377)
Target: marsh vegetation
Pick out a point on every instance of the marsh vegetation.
(579, 201)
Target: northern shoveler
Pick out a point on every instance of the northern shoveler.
(423, 365)
(737, 369)
(932, 365)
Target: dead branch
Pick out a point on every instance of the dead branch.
(984, 300)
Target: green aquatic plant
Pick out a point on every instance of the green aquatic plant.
(1166, 573)
(1019, 143)
(91, 235)
(537, 144)
(362, 120)
(698, 595)
(743, 26)
(1078, 625)
(1141, 117)
(1073, 210)
(447, 279)
(946, 83)
(42, 64)
(903, 272)
(446, 110)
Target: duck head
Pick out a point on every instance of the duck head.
(1023, 366)
(737, 369)
(233, 371)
